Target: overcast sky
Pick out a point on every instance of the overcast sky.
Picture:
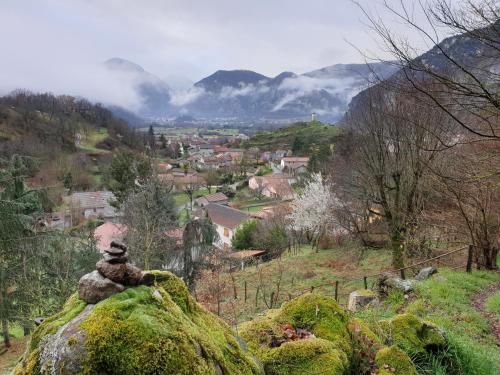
(56, 44)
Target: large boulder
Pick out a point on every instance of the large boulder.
(307, 335)
(425, 273)
(93, 287)
(361, 298)
(142, 330)
(413, 335)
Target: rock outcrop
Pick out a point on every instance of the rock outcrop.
(361, 298)
(157, 329)
(112, 276)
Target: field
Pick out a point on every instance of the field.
(295, 273)
(307, 134)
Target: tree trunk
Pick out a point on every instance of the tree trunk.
(490, 258)
(397, 250)
(5, 332)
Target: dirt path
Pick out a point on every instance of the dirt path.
(479, 300)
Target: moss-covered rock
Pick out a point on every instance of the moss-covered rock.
(142, 330)
(412, 334)
(392, 360)
(327, 350)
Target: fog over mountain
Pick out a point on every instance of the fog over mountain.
(248, 95)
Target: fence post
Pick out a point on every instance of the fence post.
(312, 289)
(245, 291)
(365, 282)
(469, 259)
(257, 295)
(403, 274)
(271, 302)
(336, 290)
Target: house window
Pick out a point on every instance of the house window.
(226, 232)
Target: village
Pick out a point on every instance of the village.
(254, 184)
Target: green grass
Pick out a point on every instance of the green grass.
(309, 134)
(91, 139)
(493, 304)
(445, 300)
(299, 272)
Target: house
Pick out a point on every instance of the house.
(182, 179)
(294, 164)
(94, 204)
(272, 186)
(106, 233)
(219, 198)
(206, 149)
(226, 220)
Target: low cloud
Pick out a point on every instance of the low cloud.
(181, 98)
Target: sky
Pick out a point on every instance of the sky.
(59, 45)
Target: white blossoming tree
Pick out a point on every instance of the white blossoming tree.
(312, 209)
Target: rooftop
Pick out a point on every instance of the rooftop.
(225, 216)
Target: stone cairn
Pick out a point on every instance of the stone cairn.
(112, 275)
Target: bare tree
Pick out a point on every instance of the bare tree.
(396, 146)
(464, 72)
(149, 213)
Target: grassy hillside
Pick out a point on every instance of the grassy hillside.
(301, 136)
(447, 299)
(47, 128)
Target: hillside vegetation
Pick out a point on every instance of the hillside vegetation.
(300, 137)
(69, 140)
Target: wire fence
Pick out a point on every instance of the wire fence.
(243, 298)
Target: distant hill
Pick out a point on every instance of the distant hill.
(248, 95)
(480, 58)
(154, 92)
(300, 137)
(65, 136)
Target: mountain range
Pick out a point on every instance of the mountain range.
(249, 97)
(245, 95)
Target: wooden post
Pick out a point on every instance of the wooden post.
(271, 302)
(289, 297)
(336, 290)
(312, 289)
(403, 274)
(245, 291)
(365, 282)
(257, 295)
(469, 259)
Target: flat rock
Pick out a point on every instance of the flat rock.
(398, 283)
(123, 258)
(93, 287)
(361, 298)
(113, 271)
(114, 251)
(425, 273)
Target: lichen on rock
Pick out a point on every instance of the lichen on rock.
(142, 330)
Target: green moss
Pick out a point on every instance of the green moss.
(310, 356)
(392, 360)
(157, 330)
(366, 292)
(417, 308)
(318, 314)
(412, 334)
(365, 345)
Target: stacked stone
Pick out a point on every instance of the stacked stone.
(112, 276)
